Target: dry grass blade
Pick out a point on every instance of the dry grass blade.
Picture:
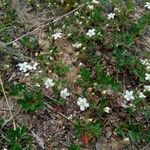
(7, 102)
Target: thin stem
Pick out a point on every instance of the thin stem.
(7, 102)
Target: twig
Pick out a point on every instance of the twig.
(11, 118)
(63, 144)
(3, 109)
(7, 102)
(42, 26)
(38, 139)
(10, 51)
(50, 107)
(145, 146)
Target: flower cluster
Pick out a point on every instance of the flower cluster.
(25, 66)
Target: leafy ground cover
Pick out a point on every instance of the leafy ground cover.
(75, 75)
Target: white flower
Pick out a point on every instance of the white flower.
(77, 45)
(34, 67)
(148, 68)
(111, 16)
(126, 140)
(147, 77)
(57, 35)
(95, 1)
(147, 88)
(16, 45)
(49, 83)
(91, 7)
(64, 93)
(24, 67)
(91, 32)
(81, 64)
(141, 95)
(82, 103)
(107, 109)
(129, 95)
(147, 5)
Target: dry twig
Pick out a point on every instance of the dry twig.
(51, 108)
(7, 102)
(11, 118)
(42, 26)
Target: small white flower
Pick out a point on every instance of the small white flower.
(34, 66)
(77, 45)
(147, 5)
(148, 68)
(95, 1)
(147, 88)
(147, 77)
(91, 7)
(91, 32)
(141, 95)
(24, 67)
(64, 93)
(57, 35)
(126, 140)
(49, 83)
(107, 109)
(82, 103)
(129, 95)
(111, 16)
(81, 64)
(16, 45)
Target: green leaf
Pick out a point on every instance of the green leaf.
(74, 147)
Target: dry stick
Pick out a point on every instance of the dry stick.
(51, 108)
(144, 148)
(7, 102)
(10, 51)
(42, 26)
(11, 118)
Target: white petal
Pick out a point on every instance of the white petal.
(82, 108)
(86, 105)
(79, 102)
